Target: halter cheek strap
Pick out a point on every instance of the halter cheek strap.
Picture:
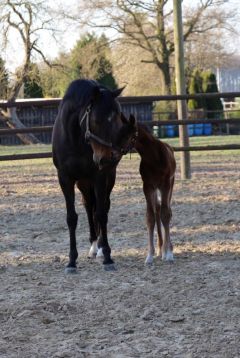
(88, 134)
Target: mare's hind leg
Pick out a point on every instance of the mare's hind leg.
(150, 195)
(166, 215)
(89, 202)
(67, 186)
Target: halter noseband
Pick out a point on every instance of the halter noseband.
(89, 135)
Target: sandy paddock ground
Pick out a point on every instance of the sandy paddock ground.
(187, 309)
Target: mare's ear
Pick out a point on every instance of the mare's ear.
(132, 120)
(124, 119)
(117, 92)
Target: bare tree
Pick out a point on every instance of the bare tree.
(148, 25)
(25, 20)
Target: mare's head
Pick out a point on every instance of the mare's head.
(103, 127)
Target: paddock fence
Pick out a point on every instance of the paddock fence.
(141, 107)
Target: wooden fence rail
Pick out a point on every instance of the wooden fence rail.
(152, 123)
(122, 100)
(148, 123)
(128, 99)
(176, 149)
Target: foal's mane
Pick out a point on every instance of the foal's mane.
(145, 131)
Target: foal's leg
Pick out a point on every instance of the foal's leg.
(150, 195)
(103, 188)
(67, 186)
(159, 224)
(166, 215)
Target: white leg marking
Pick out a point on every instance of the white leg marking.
(167, 256)
(149, 259)
(93, 250)
(159, 252)
(100, 252)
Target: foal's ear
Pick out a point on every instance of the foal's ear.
(117, 92)
(132, 120)
(123, 118)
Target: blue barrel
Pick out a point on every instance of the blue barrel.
(190, 129)
(155, 131)
(170, 130)
(198, 129)
(207, 128)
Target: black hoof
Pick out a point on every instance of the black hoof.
(110, 267)
(70, 270)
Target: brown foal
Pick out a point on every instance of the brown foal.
(157, 169)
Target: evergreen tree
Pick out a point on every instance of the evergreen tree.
(195, 86)
(32, 88)
(105, 73)
(209, 85)
(89, 59)
(55, 80)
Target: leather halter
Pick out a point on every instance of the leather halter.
(89, 135)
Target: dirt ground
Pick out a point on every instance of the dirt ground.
(190, 308)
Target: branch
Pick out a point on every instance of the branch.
(45, 60)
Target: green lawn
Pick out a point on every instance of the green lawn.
(194, 141)
(207, 140)
(22, 149)
(204, 156)
(211, 155)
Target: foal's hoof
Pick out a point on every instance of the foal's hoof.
(109, 267)
(168, 256)
(149, 260)
(70, 270)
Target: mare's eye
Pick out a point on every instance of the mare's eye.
(110, 117)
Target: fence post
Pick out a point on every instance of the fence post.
(181, 87)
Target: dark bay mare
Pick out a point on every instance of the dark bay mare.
(87, 146)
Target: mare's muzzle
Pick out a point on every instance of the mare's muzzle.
(107, 161)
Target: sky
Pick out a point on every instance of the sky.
(68, 38)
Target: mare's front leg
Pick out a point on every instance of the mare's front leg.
(67, 186)
(150, 195)
(89, 202)
(103, 188)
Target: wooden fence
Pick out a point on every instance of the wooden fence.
(131, 100)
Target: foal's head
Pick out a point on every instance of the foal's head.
(127, 135)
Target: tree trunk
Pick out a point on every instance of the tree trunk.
(10, 118)
(166, 77)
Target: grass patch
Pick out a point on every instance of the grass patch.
(24, 149)
(206, 140)
(203, 156)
